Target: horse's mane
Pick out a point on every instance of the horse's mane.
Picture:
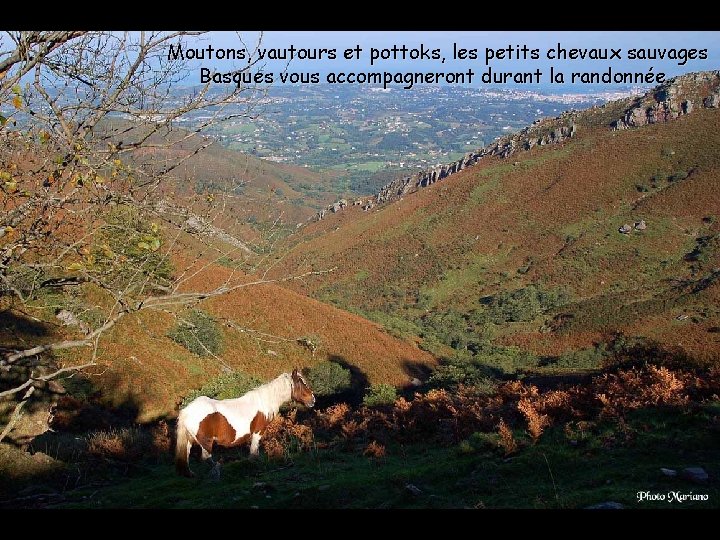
(272, 393)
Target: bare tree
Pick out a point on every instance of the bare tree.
(87, 146)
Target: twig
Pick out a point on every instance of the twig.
(551, 476)
(17, 413)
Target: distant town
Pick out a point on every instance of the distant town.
(370, 134)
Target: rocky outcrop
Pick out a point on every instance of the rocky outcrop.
(541, 133)
(197, 225)
(334, 208)
(674, 98)
(712, 101)
(68, 318)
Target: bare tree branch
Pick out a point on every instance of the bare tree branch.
(89, 148)
(17, 411)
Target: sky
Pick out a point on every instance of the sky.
(542, 40)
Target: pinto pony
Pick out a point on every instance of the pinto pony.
(231, 422)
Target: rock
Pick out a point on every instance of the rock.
(687, 107)
(712, 101)
(625, 229)
(271, 352)
(56, 387)
(357, 202)
(40, 457)
(415, 381)
(637, 117)
(695, 474)
(608, 505)
(682, 317)
(668, 472)
(640, 225)
(412, 488)
(194, 225)
(68, 318)
(336, 207)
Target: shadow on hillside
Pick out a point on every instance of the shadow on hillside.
(359, 383)
(417, 374)
(416, 370)
(19, 332)
(623, 352)
(85, 441)
(16, 328)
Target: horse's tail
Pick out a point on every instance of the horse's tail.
(182, 448)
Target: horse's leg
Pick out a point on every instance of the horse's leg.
(254, 445)
(215, 465)
(207, 456)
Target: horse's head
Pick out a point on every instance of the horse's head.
(301, 391)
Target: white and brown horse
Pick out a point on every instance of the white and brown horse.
(231, 422)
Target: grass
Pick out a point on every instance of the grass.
(454, 281)
(565, 469)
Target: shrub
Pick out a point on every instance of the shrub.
(505, 360)
(524, 304)
(380, 394)
(462, 332)
(130, 243)
(375, 450)
(284, 437)
(230, 385)
(507, 441)
(458, 371)
(78, 386)
(449, 327)
(537, 422)
(129, 444)
(482, 367)
(328, 378)
(503, 442)
(591, 358)
(199, 333)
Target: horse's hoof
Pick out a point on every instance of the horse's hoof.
(215, 472)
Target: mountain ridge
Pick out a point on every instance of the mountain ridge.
(674, 98)
(551, 216)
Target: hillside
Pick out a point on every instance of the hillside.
(535, 325)
(256, 192)
(261, 326)
(141, 367)
(549, 216)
